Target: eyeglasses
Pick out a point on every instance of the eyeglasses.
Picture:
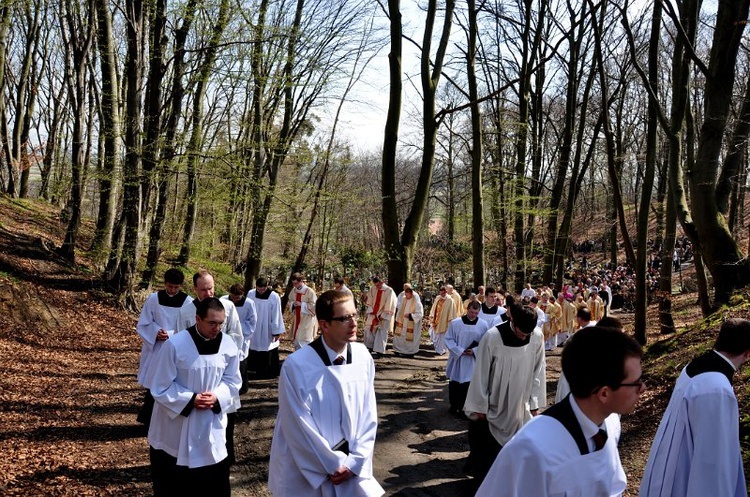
(214, 324)
(638, 384)
(349, 318)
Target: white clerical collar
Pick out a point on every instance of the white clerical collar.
(726, 359)
(588, 427)
(332, 354)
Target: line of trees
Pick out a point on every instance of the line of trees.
(210, 128)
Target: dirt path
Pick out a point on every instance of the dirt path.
(420, 446)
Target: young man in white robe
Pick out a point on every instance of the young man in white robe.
(490, 311)
(507, 388)
(571, 449)
(194, 383)
(442, 312)
(158, 322)
(302, 306)
(462, 339)
(203, 285)
(324, 437)
(247, 315)
(696, 451)
(338, 284)
(263, 357)
(381, 307)
(407, 332)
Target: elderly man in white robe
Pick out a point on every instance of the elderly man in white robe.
(194, 383)
(381, 307)
(407, 332)
(696, 451)
(571, 449)
(462, 339)
(203, 285)
(324, 437)
(443, 311)
(156, 324)
(264, 344)
(247, 315)
(507, 388)
(302, 306)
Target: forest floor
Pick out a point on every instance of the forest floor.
(69, 397)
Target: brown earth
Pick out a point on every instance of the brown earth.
(68, 392)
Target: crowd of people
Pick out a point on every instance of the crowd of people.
(198, 351)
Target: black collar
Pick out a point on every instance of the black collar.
(318, 347)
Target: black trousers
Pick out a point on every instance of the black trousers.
(170, 480)
(144, 415)
(457, 395)
(483, 449)
(264, 363)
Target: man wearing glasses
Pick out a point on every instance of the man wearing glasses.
(571, 449)
(324, 437)
(194, 384)
(696, 451)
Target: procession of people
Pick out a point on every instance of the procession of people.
(198, 353)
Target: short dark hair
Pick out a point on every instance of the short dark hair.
(524, 317)
(338, 279)
(474, 304)
(297, 277)
(610, 322)
(584, 313)
(375, 279)
(174, 276)
(200, 274)
(210, 303)
(489, 290)
(261, 282)
(595, 357)
(324, 304)
(237, 289)
(734, 336)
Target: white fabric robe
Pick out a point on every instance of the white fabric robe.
(543, 460)
(401, 342)
(305, 330)
(269, 322)
(198, 439)
(508, 383)
(376, 334)
(696, 451)
(457, 339)
(247, 315)
(154, 317)
(231, 327)
(319, 406)
(492, 320)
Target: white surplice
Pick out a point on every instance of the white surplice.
(508, 383)
(269, 321)
(696, 450)
(154, 317)
(543, 460)
(458, 338)
(319, 407)
(198, 439)
(231, 327)
(247, 315)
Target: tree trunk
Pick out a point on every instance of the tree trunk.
(122, 280)
(641, 267)
(110, 118)
(477, 201)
